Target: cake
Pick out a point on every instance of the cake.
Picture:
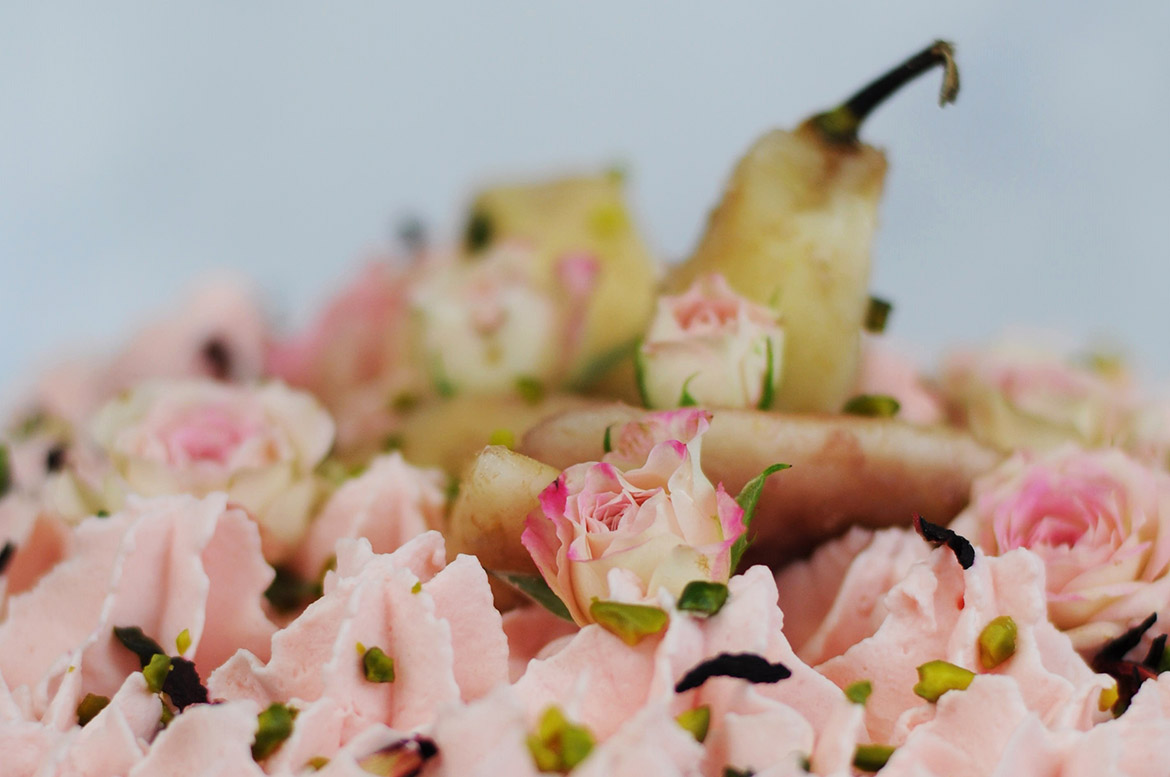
(536, 503)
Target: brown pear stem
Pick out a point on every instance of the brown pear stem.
(840, 125)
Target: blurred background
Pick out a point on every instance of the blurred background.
(142, 145)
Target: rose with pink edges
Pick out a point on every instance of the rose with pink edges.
(1101, 523)
(259, 444)
(602, 532)
(710, 346)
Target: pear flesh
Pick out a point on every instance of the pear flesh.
(794, 230)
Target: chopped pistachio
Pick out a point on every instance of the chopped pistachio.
(1108, 698)
(697, 721)
(873, 406)
(937, 677)
(558, 745)
(156, 671)
(703, 596)
(859, 691)
(997, 642)
(870, 758)
(731, 771)
(530, 390)
(405, 402)
(90, 706)
(273, 725)
(183, 641)
(378, 666)
(317, 763)
(877, 315)
(608, 220)
(417, 587)
(479, 233)
(166, 715)
(630, 622)
(503, 437)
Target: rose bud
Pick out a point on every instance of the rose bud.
(710, 346)
(603, 533)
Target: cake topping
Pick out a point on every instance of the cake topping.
(630, 622)
(558, 745)
(870, 758)
(940, 535)
(937, 677)
(872, 406)
(6, 554)
(273, 726)
(744, 666)
(997, 642)
(377, 666)
(702, 596)
(404, 758)
(696, 720)
(90, 706)
(859, 691)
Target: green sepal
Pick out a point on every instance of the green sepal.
(156, 671)
(273, 726)
(859, 691)
(684, 397)
(607, 440)
(703, 596)
(629, 622)
(870, 758)
(768, 390)
(872, 406)
(377, 666)
(747, 499)
(697, 721)
(536, 589)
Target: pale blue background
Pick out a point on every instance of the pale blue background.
(142, 144)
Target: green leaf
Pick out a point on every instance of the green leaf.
(630, 622)
(273, 726)
(872, 406)
(378, 667)
(877, 315)
(607, 441)
(748, 498)
(703, 596)
(859, 691)
(768, 390)
(536, 589)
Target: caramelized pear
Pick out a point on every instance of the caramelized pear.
(795, 227)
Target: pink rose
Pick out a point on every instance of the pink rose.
(656, 526)
(712, 345)
(260, 444)
(1098, 520)
(1016, 396)
(886, 371)
(631, 443)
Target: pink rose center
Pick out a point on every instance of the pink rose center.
(208, 433)
(697, 314)
(1056, 513)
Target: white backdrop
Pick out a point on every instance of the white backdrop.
(142, 145)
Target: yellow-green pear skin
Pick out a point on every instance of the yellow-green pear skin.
(795, 229)
(585, 214)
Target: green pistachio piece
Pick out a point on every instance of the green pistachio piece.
(859, 691)
(872, 406)
(870, 758)
(997, 642)
(378, 666)
(558, 745)
(630, 622)
(90, 706)
(697, 721)
(273, 726)
(703, 596)
(156, 671)
(183, 641)
(937, 677)
(503, 437)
